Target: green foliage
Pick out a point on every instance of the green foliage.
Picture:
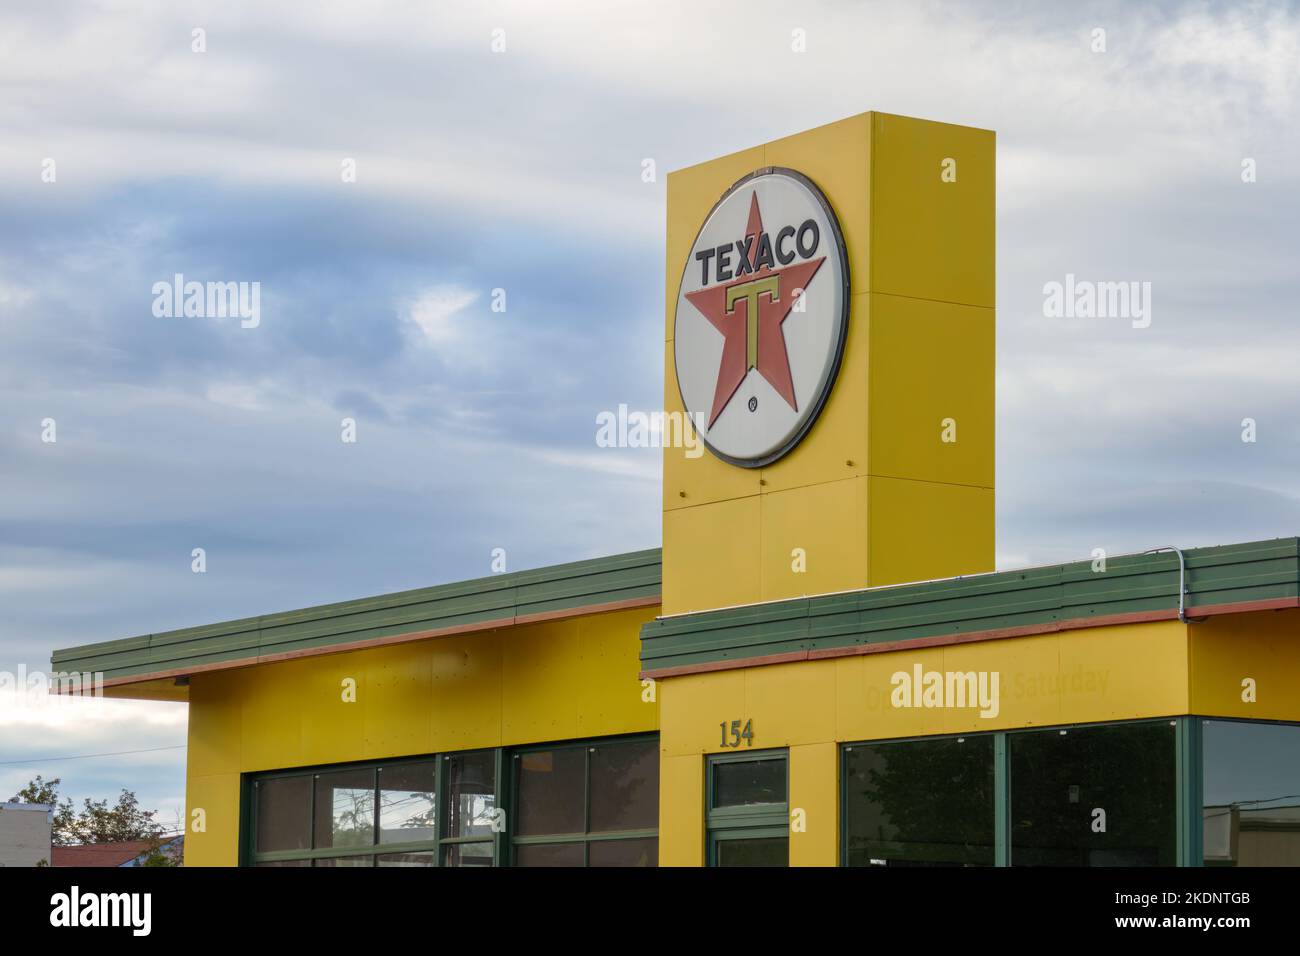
(97, 822)
(45, 791)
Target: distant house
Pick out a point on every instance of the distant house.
(25, 834)
(127, 853)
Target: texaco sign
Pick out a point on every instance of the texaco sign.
(761, 316)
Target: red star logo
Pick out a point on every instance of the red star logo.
(759, 344)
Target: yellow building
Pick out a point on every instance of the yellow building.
(821, 666)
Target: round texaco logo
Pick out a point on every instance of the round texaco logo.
(761, 317)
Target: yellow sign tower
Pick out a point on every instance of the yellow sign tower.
(894, 480)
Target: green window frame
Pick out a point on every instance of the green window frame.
(761, 821)
(585, 837)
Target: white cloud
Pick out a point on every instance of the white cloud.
(240, 395)
(644, 465)
(437, 313)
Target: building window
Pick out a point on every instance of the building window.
(920, 802)
(283, 813)
(345, 809)
(1251, 792)
(748, 809)
(1094, 796)
(469, 808)
(591, 803)
(587, 804)
(342, 817)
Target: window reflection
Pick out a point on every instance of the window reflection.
(471, 794)
(624, 786)
(920, 802)
(1251, 794)
(407, 803)
(1094, 796)
(345, 808)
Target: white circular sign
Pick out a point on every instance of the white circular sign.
(761, 317)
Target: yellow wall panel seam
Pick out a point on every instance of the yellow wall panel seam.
(922, 298)
(930, 481)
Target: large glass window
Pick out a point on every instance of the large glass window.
(593, 804)
(470, 812)
(345, 808)
(283, 813)
(748, 809)
(340, 817)
(407, 803)
(920, 802)
(1251, 791)
(1094, 796)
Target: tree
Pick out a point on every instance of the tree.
(47, 792)
(98, 822)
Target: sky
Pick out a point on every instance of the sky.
(126, 157)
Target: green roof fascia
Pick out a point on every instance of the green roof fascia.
(631, 577)
(1031, 598)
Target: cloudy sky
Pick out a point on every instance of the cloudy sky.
(521, 170)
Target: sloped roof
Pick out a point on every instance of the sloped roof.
(98, 854)
(501, 600)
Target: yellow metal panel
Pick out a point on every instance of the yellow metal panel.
(217, 796)
(611, 695)
(164, 688)
(932, 239)
(692, 707)
(796, 703)
(1082, 676)
(215, 723)
(399, 683)
(1128, 671)
(815, 790)
(828, 523)
(922, 529)
(273, 705)
(1028, 677)
(681, 810)
(837, 157)
(714, 553)
(692, 193)
(465, 708)
(836, 445)
(1260, 646)
(331, 726)
(931, 378)
(864, 689)
(539, 663)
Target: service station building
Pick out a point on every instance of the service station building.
(820, 667)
